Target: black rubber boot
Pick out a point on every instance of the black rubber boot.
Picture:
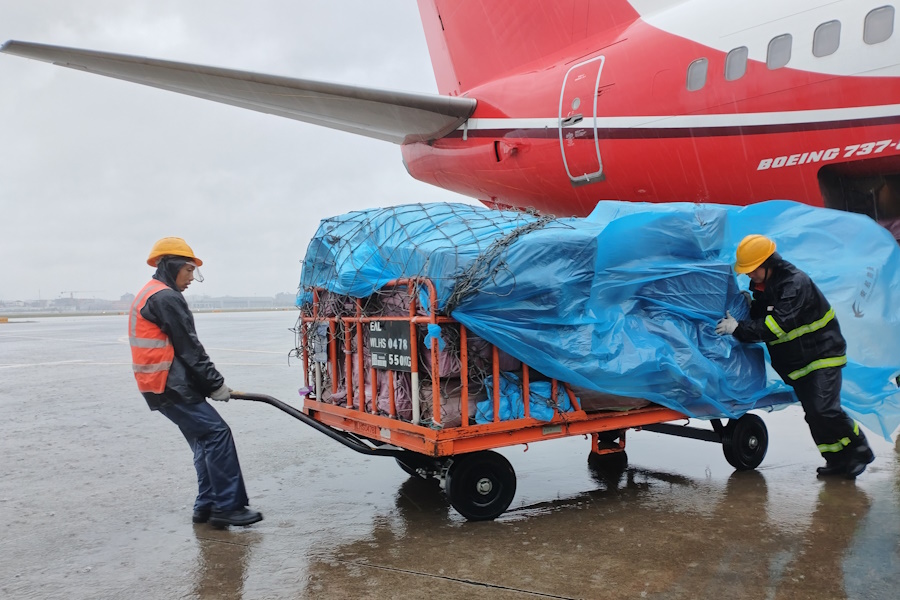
(201, 515)
(859, 460)
(832, 468)
(239, 517)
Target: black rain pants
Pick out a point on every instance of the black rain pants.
(219, 478)
(837, 436)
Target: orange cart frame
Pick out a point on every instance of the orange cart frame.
(480, 483)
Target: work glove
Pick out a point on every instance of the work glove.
(747, 296)
(727, 325)
(223, 394)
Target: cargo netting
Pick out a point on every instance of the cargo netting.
(625, 301)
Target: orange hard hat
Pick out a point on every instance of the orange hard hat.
(171, 246)
(752, 252)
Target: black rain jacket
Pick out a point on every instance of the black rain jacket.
(791, 315)
(192, 376)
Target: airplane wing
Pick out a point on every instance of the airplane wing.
(398, 117)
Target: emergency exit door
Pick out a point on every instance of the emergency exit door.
(577, 124)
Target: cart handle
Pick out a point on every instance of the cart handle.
(351, 441)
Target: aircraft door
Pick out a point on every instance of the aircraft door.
(577, 124)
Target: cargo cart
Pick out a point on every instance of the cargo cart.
(356, 363)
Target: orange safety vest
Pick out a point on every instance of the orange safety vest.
(151, 351)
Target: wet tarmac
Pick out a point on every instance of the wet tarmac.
(96, 494)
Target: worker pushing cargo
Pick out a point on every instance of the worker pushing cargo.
(791, 315)
(175, 376)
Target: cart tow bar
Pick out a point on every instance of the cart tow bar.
(347, 439)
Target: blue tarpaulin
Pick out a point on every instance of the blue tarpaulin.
(512, 402)
(625, 301)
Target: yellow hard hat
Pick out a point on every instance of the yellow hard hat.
(752, 252)
(171, 246)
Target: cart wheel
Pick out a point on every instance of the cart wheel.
(609, 436)
(412, 462)
(612, 462)
(481, 485)
(745, 442)
(607, 469)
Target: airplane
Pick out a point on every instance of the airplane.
(558, 105)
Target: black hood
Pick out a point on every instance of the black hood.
(167, 269)
(773, 261)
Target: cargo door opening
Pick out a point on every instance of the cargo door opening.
(862, 189)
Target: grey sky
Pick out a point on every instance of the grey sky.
(94, 170)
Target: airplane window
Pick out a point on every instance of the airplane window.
(736, 63)
(879, 25)
(696, 74)
(827, 38)
(779, 53)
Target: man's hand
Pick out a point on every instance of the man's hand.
(223, 394)
(747, 296)
(727, 325)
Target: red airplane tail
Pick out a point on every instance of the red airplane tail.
(475, 41)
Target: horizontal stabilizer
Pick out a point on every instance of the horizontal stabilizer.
(398, 117)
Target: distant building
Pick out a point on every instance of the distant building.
(285, 299)
(200, 303)
(99, 306)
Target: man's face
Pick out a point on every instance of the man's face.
(758, 276)
(185, 277)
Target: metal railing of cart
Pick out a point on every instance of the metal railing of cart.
(480, 483)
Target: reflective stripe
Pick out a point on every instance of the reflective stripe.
(774, 328)
(148, 343)
(152, 352)
(835, 447)
(154, 368)
(822, 363)
(802, 330)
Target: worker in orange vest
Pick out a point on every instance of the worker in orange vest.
(175, 376)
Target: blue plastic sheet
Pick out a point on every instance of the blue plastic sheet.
(434, 333)
(512, 404)
(625, 301)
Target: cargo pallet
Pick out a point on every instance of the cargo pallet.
(479, 482)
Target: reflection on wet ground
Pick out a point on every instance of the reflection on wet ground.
(96, 495)
(650, 534)
(223, 562)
